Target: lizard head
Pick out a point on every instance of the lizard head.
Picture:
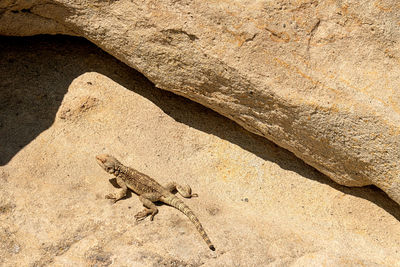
(108, 163)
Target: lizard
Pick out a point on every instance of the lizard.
(149, 192)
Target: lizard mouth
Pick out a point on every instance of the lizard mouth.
(100, 160)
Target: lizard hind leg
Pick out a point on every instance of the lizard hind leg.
(183, 190)
(150, 208)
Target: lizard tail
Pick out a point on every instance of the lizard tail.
(180, 205)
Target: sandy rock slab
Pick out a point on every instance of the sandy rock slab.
(63, 101)
(319, 78)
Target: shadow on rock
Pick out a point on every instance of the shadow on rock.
(37, 71)
(35, 74)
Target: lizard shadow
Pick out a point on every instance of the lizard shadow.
(52, 62)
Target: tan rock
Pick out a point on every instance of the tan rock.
(317, 78)
(260, 204)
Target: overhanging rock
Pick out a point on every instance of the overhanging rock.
(320, 79)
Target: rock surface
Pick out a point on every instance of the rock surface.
(63, 101)
(318, 78)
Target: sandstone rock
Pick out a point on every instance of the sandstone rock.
(317, 78)
(260, 204)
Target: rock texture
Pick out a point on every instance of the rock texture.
(317, 78)
(63, 101)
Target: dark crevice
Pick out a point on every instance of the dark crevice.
(192, 37)
(25, 10)
(311, 35)
(251, 38)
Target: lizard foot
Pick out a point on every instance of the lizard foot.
(142, 214)
(185, 191)
(112, 197)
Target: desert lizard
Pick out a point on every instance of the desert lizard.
(149, 191)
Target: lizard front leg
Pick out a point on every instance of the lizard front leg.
(184, 191)
(121, 193)
(148, 200)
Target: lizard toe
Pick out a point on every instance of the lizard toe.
(138, 219)
(141, 215)
(112, 197)
(153, 214)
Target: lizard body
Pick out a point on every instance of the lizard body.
(149, 191)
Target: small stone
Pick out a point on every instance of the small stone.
(16, 248)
